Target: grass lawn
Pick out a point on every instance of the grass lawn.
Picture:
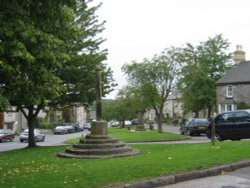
(39, 167)
(131, 136)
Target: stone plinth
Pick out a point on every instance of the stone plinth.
(98, 145)
(99, 128)
(140, 128)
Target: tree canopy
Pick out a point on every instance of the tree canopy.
(125, 106)
(155, 78)
(203, 65)
(48, 54)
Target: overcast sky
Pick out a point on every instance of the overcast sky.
(137, 29)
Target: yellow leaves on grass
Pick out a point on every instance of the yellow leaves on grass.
(30, 168)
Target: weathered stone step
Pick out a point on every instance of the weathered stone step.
(106, 151)
(98, 140)
(99, 146)
(133, 152)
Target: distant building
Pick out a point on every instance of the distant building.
(17, 122)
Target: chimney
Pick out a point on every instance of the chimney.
(239, 55)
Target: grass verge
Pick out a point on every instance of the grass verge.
(39, 167)
(131, 136)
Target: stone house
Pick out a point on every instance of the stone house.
(172, 108)
(234, 87)
(17, 122)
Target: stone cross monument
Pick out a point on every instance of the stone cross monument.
(98, 144)
(99, 127)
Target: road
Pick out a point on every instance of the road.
(54, 140)
(50, 140)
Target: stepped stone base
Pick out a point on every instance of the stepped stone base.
(98, 145)
(140, 128)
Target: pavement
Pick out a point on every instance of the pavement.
(237, 179)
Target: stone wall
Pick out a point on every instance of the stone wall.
(241, 93)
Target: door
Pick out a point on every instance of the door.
(242, 121)
(225, 126)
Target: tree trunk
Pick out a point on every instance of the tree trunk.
(31, 125)
(122, 123)
(159, 122)
(196, 114)
(209, 110)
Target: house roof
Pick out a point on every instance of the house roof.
(236, 75)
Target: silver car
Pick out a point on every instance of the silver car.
(39, 135)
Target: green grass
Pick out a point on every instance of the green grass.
(39, 167)
(131, 136)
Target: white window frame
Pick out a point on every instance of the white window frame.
(226, 107)
(229, 91)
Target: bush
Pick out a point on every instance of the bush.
(45, 126)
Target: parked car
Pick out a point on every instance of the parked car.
(194, 126)
(6, 134)
(234, 125)
(77, 127)
(70, 128)
(60, 130)
(134, 121)
(115, 123)
(127, 123)
(87, 126)
(38, 134)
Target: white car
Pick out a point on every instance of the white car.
(127, 123)
(39, 135)
(115, 123)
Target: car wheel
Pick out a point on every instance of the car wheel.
(21, 140)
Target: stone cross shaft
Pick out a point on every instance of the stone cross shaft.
(98, 94)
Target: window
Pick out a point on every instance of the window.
(227, 107)
(225, 118)
(242, 117)
(229, 91)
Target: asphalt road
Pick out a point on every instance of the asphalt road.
(50, 140)
(54, 140)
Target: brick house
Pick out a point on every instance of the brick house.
(234, 87)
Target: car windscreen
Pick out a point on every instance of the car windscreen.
(200, 121)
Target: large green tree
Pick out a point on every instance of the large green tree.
(155, 79)
(48, 53)
(203, 64)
